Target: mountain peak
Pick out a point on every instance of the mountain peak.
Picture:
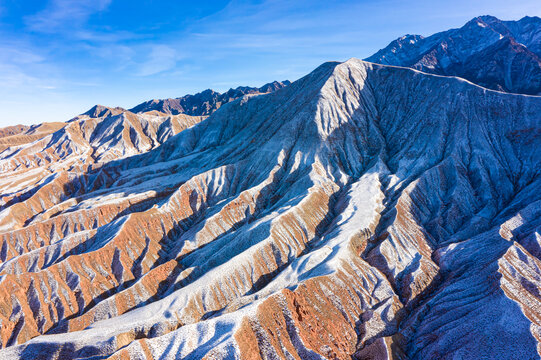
(534, 19)
(488, 18)
(475, 53)
(100, 111)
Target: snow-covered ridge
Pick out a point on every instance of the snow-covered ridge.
(500, 55)
(363, 209)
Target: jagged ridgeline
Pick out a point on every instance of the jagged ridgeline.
(363, 211)
(206, 102)
(500, 55)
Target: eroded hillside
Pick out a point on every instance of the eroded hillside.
(364, 211)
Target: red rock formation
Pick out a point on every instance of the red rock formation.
(364, 211)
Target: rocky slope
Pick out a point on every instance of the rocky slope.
(206, 102)
(23, 134)
(364, 211)
(500, 55)
(13, 130)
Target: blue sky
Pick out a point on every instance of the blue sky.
(60, 57)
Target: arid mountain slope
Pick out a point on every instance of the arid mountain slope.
(500, 55)
(13, 130)
(23, 134)
(40, 169)
(364, 211)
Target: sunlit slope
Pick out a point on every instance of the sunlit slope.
(363, 211)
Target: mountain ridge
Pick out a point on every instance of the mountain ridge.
(486, 51)
(339, 217)
(205, 102)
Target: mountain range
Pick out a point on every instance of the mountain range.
(206, 102)
(499, 55)
(364, 211)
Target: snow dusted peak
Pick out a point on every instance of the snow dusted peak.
(98, 111)
(477, 52)
(273, 86)
(393, 51)
(98, 136)
(339, 95)
(489, 19)
(527, 31)
(409, 37)
(527, 21)
(406, 40)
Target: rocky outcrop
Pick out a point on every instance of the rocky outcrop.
(364, 211)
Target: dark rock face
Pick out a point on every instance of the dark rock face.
(499, 55)
(205, 102)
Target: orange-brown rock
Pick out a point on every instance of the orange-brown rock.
(362, 212)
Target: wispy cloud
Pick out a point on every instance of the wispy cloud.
(105, 37)
(20, 53)
(20, 66)
(78, 52)
(61, 14)
(159, 59)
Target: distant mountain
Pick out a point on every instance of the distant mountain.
(13, 130)
(12, 136)
(104, 133)
(98, 111)
(206, 102)
(500, 55)
(97, 136)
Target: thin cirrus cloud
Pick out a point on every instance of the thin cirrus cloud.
(61, 14)
(159, 59)
(67, 55)
(21, 67)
